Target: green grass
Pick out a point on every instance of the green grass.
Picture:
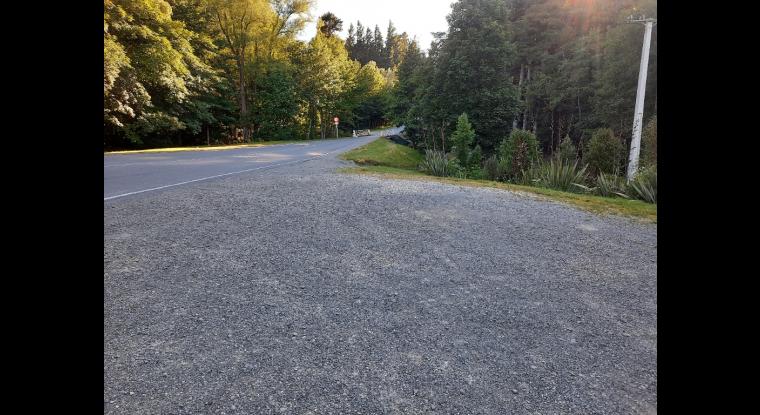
(384, 158)
(385, 153)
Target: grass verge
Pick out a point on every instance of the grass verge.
(384, 153)
(383, 158)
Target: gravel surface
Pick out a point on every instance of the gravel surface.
(300, 290)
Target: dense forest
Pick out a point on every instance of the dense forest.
(187, 72)
(553, 67)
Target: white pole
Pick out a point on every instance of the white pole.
(638, 115)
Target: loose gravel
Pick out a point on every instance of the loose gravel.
(301, 290)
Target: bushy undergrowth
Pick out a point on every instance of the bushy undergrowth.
(518, 152)
(564, 171)
(604, 152)
(644, 185)
(437, 163)
(494, 169)
(610, 185)
(558, 174)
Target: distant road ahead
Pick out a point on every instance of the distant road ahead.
(129, 174)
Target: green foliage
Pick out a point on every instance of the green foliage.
(649, 143)
(179, 71)
(518, 152)
(462, 139)
(437, 163)
(276, 102)
(644, 185)
(494, 169)
(330, 24)
(475, 158)
(558, 174)
(610, 185)
(383, 152)
(604, 152)
(567, 150)
(471, 71)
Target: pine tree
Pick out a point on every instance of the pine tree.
(462, 139)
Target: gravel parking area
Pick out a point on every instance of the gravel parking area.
(301, 290)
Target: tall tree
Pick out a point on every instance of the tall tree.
(330, 24)
(241, 22)
(390, 39)
(377, 47)
(473, 70)
(149, 66)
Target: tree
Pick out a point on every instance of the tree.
(330, 24)
(472, 71)
(369, 106)
(276, 102)
(377, 48)
(462, 139)
(604, 152)
(326, 76)
(649, 143)
(518, 152)
(242, 22)
(567, 150)
(149, 66)
(390, 44)
(351, 40)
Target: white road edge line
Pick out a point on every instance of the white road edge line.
(207, 178)
(219, 175)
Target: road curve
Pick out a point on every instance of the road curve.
(129, 174)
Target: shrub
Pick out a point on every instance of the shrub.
(567, 150)
(475, 158)
(644, 185)
(558, 174)
(437, 163)
(604, 152)
(610, 185)
(494, 169)
(649, 143)
(528, 177)
(518, 152)
(462, 139)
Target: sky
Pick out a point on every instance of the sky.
(415, 17)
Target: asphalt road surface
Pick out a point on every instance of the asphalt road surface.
(128, 174)
(296, 289)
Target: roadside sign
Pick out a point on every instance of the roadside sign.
(335, 120)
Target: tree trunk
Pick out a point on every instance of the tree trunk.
(519, 96)
(208, 135)
(432, 137)
(241, 93)
(322, 124)
(525, 111)
(443, 138)
(311, 121)
(551, 134)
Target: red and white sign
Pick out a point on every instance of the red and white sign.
(335, 120)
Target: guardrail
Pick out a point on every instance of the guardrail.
(360, 133)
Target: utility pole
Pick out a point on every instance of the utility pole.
(638, 114)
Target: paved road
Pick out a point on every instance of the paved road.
(296, 289)
(127, 174)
